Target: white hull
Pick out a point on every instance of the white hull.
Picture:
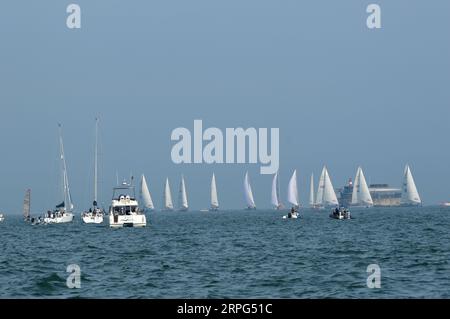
(292, 216)
(341, 216)
(133, 220)
(65, 218)
(92, 219)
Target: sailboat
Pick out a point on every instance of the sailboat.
(276, 193)
(248, 193)
(361, 194)
(27, 206)
(167, 197)
(312, 201)
(95, 214)
(2, 217)
(292, 197)
(145, 195)
(214, 197)
(63, 213)
(410, 195)
(326, 196)
(183, 205)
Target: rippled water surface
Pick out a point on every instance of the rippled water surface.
(233, 254)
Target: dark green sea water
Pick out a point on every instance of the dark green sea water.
(233, 254)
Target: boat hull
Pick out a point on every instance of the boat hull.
(120, 221)
(92, 219)
(66, 218)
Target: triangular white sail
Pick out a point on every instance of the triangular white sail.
(326, 195)
(248, 193)
(320, 189)
(311, 192)
(145, 194)
(67, 198)
(361, 194)
(27, 205)
(168, 204)
(214, 197)
(410, 195)
(182, 196)
(329, 194)
(292, 196)
(276, 192)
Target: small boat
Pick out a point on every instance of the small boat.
(63, 212)
(293, 197)
(167, 198)
(145, 195)
(326, 195)
(361, 195)
(445, 204)
(248, 193)
(340, 213)
(95, 214)
(124, 210)
(214, 197)
(2, 217)
(183, 205)
(410, 195)
(276, 193)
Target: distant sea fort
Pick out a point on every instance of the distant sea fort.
(382, 195)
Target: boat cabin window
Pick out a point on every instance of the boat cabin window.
(125, 210)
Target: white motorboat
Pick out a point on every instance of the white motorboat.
(340, 214)
(124, 210)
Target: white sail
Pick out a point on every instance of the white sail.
(275, 191)
(410, 195)
(214, 197)
(311, 192)
(182, 195)
(365, 199)
(248, 192)
(329, 195)
(356, 188)
(27, 205)
(320, 189)
(168, 204)
(145, 194)
(293, 190)
(67, 198)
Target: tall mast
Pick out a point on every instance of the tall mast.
(96, 162)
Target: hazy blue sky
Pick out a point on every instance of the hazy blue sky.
(341, 94)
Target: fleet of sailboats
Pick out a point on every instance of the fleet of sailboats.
(167, 197)
(326, 195)
(182, 197)
(250, 201)
(410, 195)
(361, 194)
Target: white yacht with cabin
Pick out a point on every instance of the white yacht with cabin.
(95, 214)
(124, 210)
(63, 213)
